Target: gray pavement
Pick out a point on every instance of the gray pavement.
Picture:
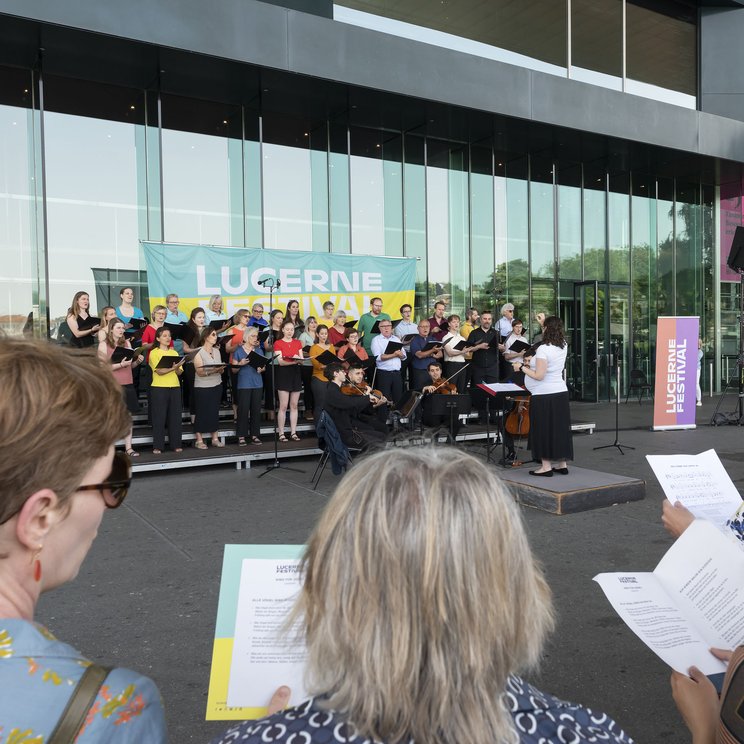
(146, 597)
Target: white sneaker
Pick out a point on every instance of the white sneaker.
(699, 403)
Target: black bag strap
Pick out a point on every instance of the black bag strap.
(78, 705)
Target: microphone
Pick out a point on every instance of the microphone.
(263, 282)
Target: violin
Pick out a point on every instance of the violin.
(517, 421)
(442, 387)
(349, 388)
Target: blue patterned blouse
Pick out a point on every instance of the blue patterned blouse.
(538, 719)
(38, 674)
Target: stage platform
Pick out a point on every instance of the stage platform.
(580, 490)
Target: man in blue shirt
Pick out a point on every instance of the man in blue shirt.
(420, 359)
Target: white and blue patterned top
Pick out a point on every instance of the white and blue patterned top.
(538, 719)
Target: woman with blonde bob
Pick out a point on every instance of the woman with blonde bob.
(421, 603)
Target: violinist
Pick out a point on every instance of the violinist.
(438, 386)
(357, 385)
(344, 409)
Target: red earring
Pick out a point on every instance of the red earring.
(37, 565)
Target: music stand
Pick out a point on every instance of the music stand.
(273, 286)
(448, 405)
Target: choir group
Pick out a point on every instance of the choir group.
(359, 370)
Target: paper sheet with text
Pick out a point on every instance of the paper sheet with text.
(699, 482)
(693, 600)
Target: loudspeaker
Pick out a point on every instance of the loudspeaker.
(735, 259)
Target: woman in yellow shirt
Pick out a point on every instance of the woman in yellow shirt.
(319, 381)
(165, 395)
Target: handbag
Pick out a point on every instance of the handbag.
(80, 702)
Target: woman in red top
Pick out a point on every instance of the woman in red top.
(288, 381)
(337, 333)
(122, 371)
(353, 345)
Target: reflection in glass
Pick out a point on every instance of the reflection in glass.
(92, 212)
(665, 301)
(595, 239)
(688, 251)
(643, 258)
(18, 248)
(569, 222)
(517, 267)
(618, 218)
(661, 50)
(597, 41)
(414, 203)
(541, 219)
(482, 225)
(202, 158)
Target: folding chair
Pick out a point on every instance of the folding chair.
(329, 440)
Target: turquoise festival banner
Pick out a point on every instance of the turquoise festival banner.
(195, 272)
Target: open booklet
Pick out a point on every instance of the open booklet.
(252, 655)
(700, 483)
(693, 600)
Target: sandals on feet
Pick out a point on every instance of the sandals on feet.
(131, 453)
(294, 437)
(241, 442)
(255, 440)
(157, 452)
(282, 438)
(199, 445)
(217, 443)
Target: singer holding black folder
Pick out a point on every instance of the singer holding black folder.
(319, 381)
(82, 325)
(126, 311)
(208, 368)
(249, 387)
(389, 359)
(117, 350)
(165, 394)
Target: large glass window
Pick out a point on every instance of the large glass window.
(597, 41)
(665, 304)
(482, 223)
(661, 49)
(569, 222)
(202, 157)
(414, 201)
(643, 261)
(295, 184)
(93, 202)
(618, 219)
(448, 223)
(376, 192)
(517, 211)
(595, 223)
(19, 278)
(542, 259)
(536, 29)
(688, 270)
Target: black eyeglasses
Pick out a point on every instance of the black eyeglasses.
(115, 488)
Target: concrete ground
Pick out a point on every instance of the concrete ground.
(146, 597)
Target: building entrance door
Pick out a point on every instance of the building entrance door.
(598, 329)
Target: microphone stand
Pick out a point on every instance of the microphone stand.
(272, 287)
(616, 443)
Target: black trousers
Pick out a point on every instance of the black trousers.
(249, 412)
(307, 390)
(166, 411)
(390, 384)
(481, 375)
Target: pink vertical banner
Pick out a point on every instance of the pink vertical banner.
(676, 371)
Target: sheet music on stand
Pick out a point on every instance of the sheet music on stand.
(492, 389)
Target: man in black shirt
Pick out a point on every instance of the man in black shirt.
(485, 361)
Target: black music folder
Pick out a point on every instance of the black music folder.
(121, 353)
(167, 362)
(326, 358)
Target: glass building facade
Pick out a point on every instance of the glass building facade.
(90, 169)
